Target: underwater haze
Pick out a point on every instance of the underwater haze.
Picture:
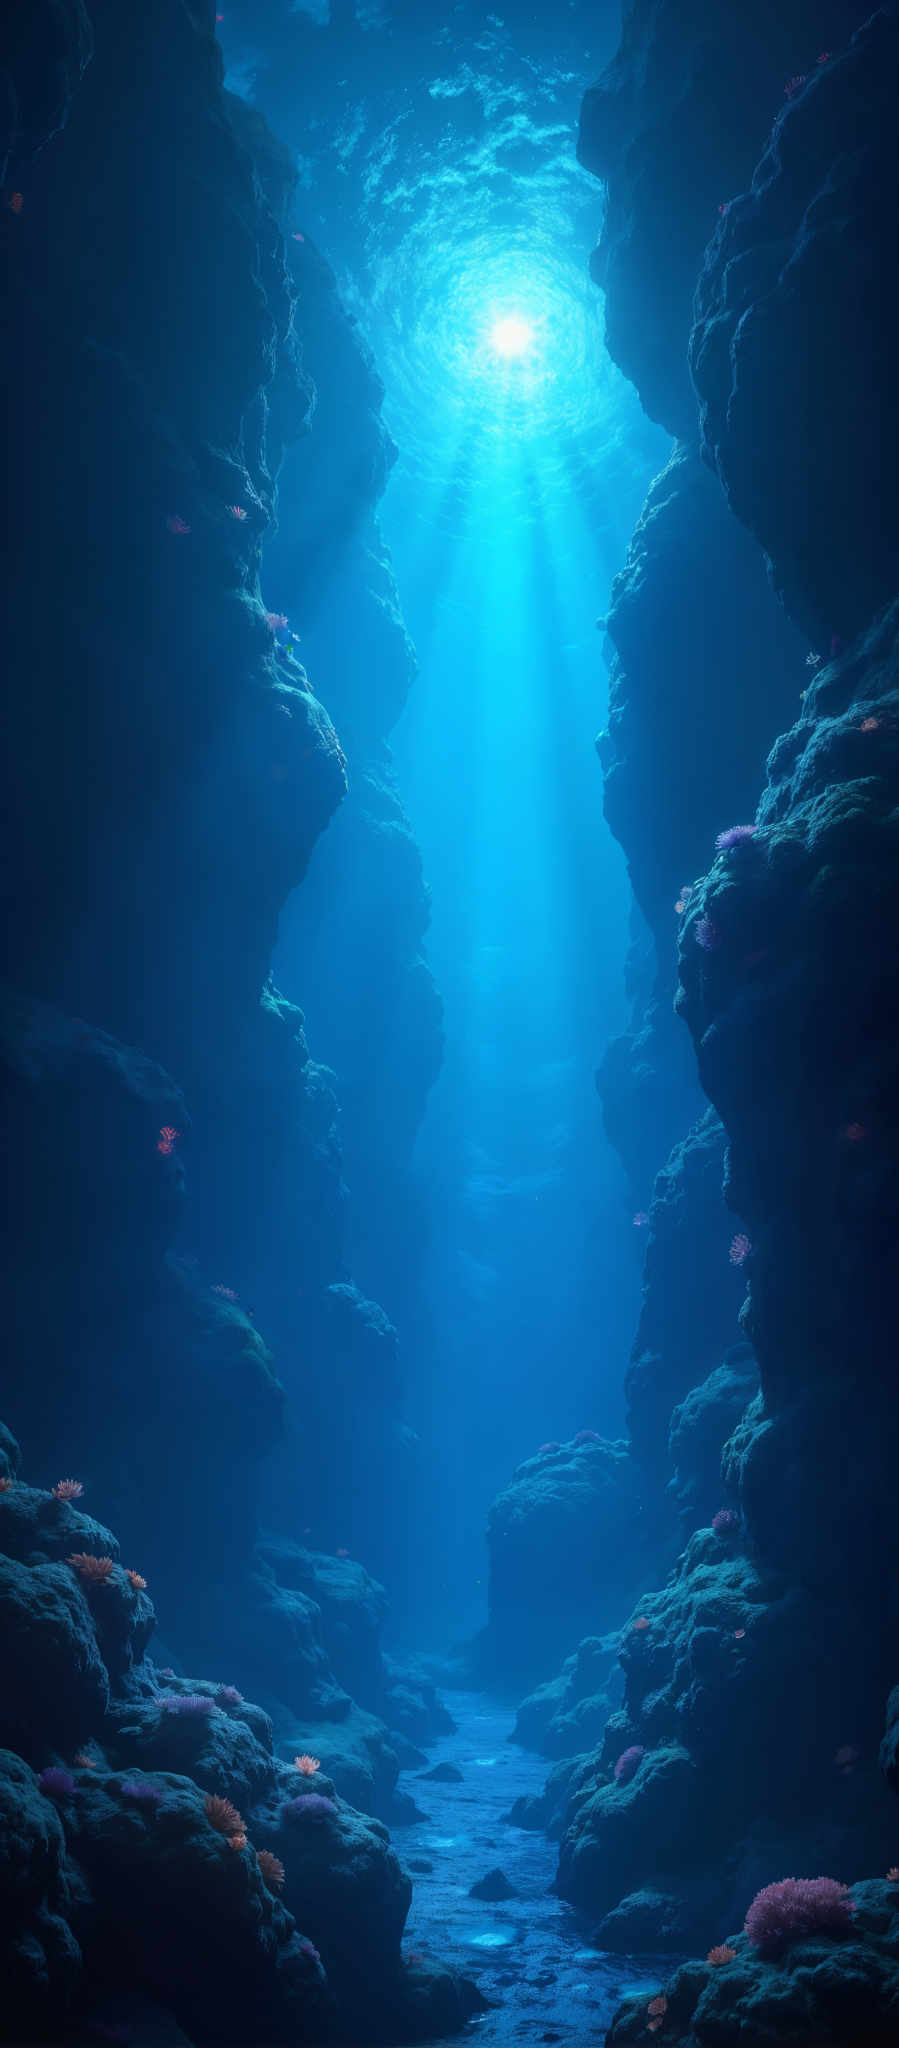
(448, 1441)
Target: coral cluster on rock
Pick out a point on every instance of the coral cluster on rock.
(774, 1636)
(154, 1845)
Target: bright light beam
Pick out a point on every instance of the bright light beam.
(511, 336)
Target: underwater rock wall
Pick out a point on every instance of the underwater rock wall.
(161, 1866)
(775, 1639)
(167, 773)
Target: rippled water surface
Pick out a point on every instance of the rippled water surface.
(531, 1954)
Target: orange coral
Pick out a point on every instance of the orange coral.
(658, 2006)
(640, 1624)
(85, 1762)
(271, 1867)
(720, 1955)
(68, 1489)
(95, 1569)
(134, 1579)
(222, 1816)
(307, 1764)
(237, 1841)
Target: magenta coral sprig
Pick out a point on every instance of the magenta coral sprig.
(308, 1806)
(795, 1907)
(725, 1523)
(736, 835)
(707, 934)
(629, 1763)
(193, 1705)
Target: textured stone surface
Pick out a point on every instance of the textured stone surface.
(795, 295)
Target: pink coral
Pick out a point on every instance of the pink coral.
(587, 1436)
(740, 1248)
(736, 835)
(725, 1522)
(707, 934)
(796, 1907)
(308, 1806)
(629, 1763)
(68, 1489)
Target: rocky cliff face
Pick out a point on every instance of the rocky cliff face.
(184, 1330)
(774, 1639)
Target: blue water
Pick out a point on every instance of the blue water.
(530, 1955)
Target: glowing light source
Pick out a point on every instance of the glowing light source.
(511, 336)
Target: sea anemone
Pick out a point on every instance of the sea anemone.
(740, 1248)
(717, 1957)
(307, 1764)
(222, 1816)
(96, 1570)
(57, 1784)
(194, 1705)
(142, 1791)
(795, 1907)
(707, 934)
(136, 1582)
(725, 1522)
(640, 1626)
(68, 1489)
(629, 1763)
(228, 1696)
(85, 1762)
(736, 835)
(308, 1806)
(587, 1436)
(656, 2011)
(271, 1867)
(238, 1841)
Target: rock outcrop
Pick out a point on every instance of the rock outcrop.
(154, 1845)
(780, 1615)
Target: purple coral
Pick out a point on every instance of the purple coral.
(308, 1806)
(629, 1763)
(726, 1522)
(587, 1436)
(57, 1783)
(228, 1696)
(795, 1907)
(196, 1705)
(707, 934)
(736, 835)
(142, 1791)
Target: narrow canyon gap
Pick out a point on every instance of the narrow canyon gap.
(451, 1094)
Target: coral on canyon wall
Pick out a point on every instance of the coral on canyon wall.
(781, 1611)
(168, 770)
(133, 1806)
